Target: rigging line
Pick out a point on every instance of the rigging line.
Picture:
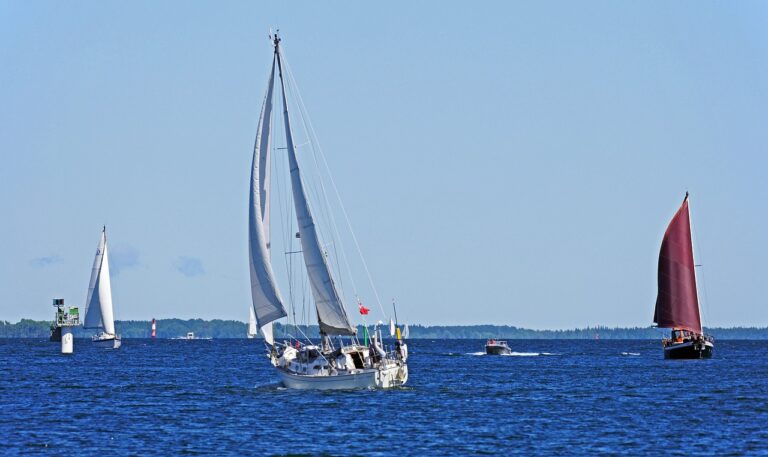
(284, 209)
(307, 120)
(309, 185)
(341, 204)
(305, 302)
(699, 277)
(312, 140)
(325, 207)
(298, 279)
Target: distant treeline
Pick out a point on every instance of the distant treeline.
(166, 328)
(217, 328)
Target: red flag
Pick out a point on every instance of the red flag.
(363, 309)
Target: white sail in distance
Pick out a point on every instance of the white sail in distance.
(98, 304)
(267, 302)
(331, 315)
(253, 329)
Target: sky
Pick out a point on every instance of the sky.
(501, 162)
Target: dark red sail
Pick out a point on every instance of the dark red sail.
(677, 304)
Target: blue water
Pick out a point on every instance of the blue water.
(219, 397)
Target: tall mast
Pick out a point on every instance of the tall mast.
(693, 251)
(267, 304)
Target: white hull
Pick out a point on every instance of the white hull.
(107, 343)
(383, 378)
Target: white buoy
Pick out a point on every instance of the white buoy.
(65, 319)
(67, 340)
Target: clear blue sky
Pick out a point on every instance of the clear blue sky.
(502, 162)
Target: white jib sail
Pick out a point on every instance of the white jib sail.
(331, 314)
(98, 304)
(266, 331)
(267, 302)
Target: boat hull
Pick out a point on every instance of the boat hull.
(107, 343)
(493, 349)
(689, 350)
(55, 335)
(392, 376)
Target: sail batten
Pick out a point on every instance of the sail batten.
(331, 315)
(267, 302)
(677, 303)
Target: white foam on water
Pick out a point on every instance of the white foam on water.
(523, 354)
(630, 353)
(475, 353)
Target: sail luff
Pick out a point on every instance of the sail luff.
(266, 300)
(331, 315)
(677, 304)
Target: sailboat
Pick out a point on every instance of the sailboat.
(253, 329)
(98, 305)
(677, 302)
(332, 363)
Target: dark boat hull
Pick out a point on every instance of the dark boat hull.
(497, 350)
(689, 350)
(55, 334)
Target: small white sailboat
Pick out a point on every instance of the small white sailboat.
(253, 329)
(98, 305)
(333, 363)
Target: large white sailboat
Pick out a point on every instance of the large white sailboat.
(338, 360)
(98, 305)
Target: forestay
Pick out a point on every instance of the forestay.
(331, 314)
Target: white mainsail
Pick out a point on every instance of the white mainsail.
(98, 304)
(267, 303)
(331, 315)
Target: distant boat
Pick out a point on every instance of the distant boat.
(497, 347)
(99, 314)
(303, 364)
(253, 329)
(191, 336)
(677, 302)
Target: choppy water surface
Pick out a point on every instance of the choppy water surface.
(220, 397)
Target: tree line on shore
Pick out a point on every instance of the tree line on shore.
(217, 328)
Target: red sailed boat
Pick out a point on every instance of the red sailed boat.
(677, 303)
